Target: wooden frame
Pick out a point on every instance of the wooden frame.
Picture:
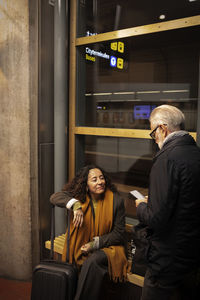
(139, 30)
(117, 132)
(124, 33)
(114, 132)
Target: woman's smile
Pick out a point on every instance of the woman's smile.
(96, 182)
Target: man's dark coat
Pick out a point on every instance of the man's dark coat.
(173, 210)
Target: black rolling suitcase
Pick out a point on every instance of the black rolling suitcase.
(53, 280)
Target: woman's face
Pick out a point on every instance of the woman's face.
(96, 182)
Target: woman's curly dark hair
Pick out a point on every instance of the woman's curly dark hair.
(78, 186)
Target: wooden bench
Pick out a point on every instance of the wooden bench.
(58, 250)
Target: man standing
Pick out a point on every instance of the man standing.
(172, 211)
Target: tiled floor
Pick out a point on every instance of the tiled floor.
(14, 290)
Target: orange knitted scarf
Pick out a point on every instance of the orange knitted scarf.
(117, 262)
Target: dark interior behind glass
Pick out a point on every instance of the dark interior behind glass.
(99, 16)
(121, 81)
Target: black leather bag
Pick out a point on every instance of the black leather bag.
(140, 241)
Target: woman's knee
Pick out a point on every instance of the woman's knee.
(96, 258)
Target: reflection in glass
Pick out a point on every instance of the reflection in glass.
(127, 161)
(120, 82)
(99, 16)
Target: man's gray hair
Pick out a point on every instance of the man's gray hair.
(169, 115)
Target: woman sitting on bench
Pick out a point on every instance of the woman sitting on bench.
(97, 230)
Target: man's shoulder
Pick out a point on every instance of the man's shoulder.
(179, 155)
(177, 146)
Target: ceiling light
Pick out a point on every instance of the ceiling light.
(124, 93)
(148, 92)
(101, 94)
(162, 17)
(176, 91)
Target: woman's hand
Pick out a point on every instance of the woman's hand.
(78, 217)
(86, 248)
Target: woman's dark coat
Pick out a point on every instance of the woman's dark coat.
(117, 235)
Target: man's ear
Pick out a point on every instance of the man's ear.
(164, 130)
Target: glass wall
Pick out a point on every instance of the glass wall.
(118, 77)
(98, 16)
(121, 81)
(127, 161)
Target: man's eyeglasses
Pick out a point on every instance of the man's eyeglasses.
(153, 133)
